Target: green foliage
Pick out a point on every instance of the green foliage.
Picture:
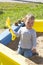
(18, 10)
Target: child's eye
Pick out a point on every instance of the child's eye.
(30, 22)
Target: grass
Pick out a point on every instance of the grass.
(18, 10)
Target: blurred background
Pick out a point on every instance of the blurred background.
(21, 0)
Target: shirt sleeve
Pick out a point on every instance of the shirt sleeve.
(34, 39)
(18, 33)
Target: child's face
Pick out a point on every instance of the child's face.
(30, 23)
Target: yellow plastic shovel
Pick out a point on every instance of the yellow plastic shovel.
(10, 29)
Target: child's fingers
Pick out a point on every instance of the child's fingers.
(9, 29)
(33, 50)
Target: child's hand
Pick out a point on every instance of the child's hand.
(9, 29)
(33, 50)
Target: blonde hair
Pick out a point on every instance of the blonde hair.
(28, 16)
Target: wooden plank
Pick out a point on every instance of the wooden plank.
(10, 57)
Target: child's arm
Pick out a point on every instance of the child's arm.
(18, 33)
(34, 41)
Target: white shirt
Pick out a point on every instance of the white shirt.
(27, 38)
